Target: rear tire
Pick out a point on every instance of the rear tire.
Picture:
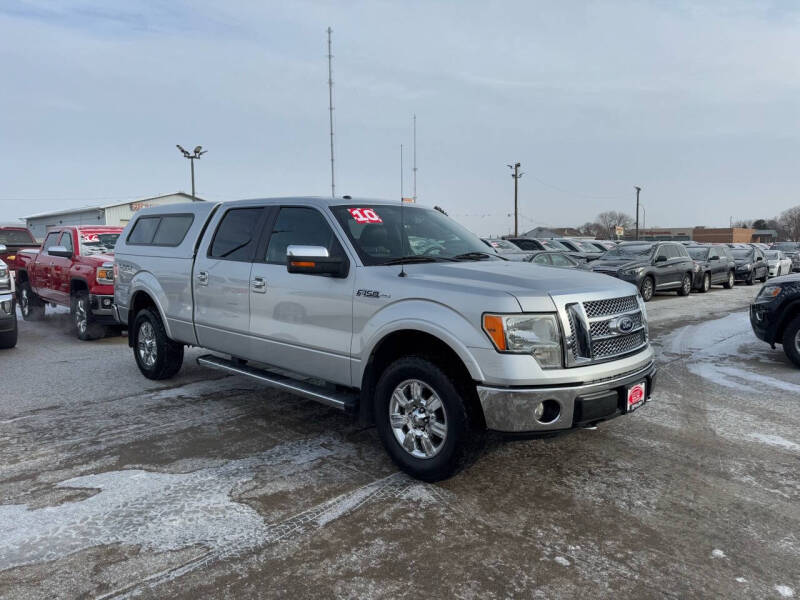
(686, 285)
(730, 282)
(434, 421)
(647, 288)
(82, 319)
(791, 341)
(30, 305)
(8, 339)
(157, 356)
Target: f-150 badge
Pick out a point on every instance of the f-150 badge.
(372, 294)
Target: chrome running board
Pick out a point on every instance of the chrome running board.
(337, 399)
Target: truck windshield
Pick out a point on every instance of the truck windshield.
(375, 232)
(98, 243)
(15, 237)
(629, 251)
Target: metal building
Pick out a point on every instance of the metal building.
(118, 213)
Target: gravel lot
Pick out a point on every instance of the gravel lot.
(213, 487)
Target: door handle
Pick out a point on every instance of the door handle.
(259, 285)
(202, 278)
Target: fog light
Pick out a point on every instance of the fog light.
(547, 412)
(106, 302)
(6, 304)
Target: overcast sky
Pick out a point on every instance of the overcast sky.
(696, 102)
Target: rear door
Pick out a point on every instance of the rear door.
(302, 322)
(221, 280)
(664, 268)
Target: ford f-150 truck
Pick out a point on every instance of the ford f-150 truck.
(395, 313)
(73, 268)
(8, 309)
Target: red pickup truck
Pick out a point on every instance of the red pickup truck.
(15, 238)
(74, 268)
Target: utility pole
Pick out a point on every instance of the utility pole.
(516, 175)
(198, 152)
(330, 108)
(638, 189)
(414, 155)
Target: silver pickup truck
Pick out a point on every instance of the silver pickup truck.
(393, 312)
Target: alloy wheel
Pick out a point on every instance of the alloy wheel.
(418, 419)
(146, 344)
(81, 315)
(687, 284)
(647, 289)
(706, 282)
(24, 302)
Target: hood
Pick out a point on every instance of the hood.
(99, 259)
(527, 282)
(620, 263)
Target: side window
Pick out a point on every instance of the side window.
(50, 240)
(172, 230)
(66, 241)
(143, 231)
(682, 251)
(561, 260)
(542, 259)
(302, 227)
(662, 251)
(712, 253)
(237, 234)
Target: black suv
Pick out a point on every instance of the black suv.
(775, 315)
(750, 264)
(712, 265)
(650, 266)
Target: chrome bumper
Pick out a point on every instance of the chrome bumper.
(7, 311)
(511, 409)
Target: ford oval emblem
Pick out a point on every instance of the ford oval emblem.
(625, 324)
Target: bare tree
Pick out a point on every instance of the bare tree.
(790, 223)
(591, 228)
(612, 219)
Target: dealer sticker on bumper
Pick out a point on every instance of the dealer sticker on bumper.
(636, 396)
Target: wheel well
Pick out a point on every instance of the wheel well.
(139, 301)
(789, 315)
(410, 342)
(77, 285)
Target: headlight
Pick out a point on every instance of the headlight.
(105, 274)
(746, 267)
(537, 335)
(768, 293)
(633, 272)
(5, 280)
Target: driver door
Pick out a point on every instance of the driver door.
(298, 321)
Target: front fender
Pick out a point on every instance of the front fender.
(425, 316)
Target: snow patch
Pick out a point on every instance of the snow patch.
(785, 591)
(741, 580)
(717, 553)
(775, 440)
(562, 561)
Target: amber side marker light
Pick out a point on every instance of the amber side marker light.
(307, 264)
(493, 326)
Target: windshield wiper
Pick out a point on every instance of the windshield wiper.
(477, 256)
(401, 260)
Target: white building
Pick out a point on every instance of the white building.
(118, 213)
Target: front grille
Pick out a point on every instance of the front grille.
(613, 306)
(616, 346)
(594, 333)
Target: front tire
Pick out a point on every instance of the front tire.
(706, 285)
(30, 305)
(791, 341)
(82, 319)
(750, 279)
(647, 288)
(423, 419)
(686, 285)
(731, 281)
(157, 356)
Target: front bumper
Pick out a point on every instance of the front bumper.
(8, 312)
(763, 322)
(103, 308)
(511, 410)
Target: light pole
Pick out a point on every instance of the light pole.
(638, 189)
(516, 175)
(198, 152)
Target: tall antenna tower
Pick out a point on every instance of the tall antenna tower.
(401, 173)
(414, 155)
(330, 108)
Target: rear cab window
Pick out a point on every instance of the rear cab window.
(161, 230)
